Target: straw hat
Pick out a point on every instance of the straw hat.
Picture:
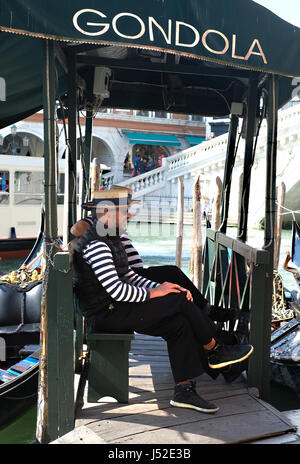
(120, 188)
(108, 199)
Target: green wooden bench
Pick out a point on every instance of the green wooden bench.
(108, 366)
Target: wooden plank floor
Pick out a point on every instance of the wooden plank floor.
(149, 417)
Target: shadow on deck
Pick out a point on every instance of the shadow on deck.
(149, 418)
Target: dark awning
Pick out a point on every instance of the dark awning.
(190, 57)
(153, 139)
(233, 32)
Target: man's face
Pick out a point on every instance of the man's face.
(116, 218)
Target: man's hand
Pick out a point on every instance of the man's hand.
(168, 287)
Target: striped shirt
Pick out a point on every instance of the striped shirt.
(130, 287)
(134, 259)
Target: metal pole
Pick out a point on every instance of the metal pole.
(179, 226)
(87, 155)
(252, 104)
(72, 121)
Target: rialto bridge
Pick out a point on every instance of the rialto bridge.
(207, 159)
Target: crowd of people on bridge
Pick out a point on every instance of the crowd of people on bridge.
(143, 164)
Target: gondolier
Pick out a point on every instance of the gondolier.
(116, 299)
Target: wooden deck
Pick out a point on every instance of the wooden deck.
(149, 418)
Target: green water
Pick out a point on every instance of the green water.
(157, 245)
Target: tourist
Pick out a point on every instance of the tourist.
(135, 166)
(114, 298)
(150, 163)
(141, 165)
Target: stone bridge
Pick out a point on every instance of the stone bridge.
(208, 161)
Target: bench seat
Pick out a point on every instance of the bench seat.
(108, 366)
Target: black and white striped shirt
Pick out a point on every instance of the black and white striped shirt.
(130, 287)
(134, 259)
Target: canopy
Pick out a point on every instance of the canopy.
(194, 140)
(184, 56)
(153, 139)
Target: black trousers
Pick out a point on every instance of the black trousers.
(183, 325)
(174, 274)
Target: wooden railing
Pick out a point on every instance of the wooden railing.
(235, 275)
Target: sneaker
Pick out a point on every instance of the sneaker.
(222, 355)
(185, 396)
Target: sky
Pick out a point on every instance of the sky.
(286, 9)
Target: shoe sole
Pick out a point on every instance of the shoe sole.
(190, 406)
(228, 363)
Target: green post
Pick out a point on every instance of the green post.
(53, 361)
(261, 313)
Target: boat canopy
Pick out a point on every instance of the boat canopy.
(191, 56)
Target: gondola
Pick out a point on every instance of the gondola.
(19, 385)
(285, 341)
(292, 262)
(20, 313)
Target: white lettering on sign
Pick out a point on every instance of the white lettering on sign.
(104, 26)
(101, 28)
(137, 36)
(167, 36)
(218, 52)
(179, 25)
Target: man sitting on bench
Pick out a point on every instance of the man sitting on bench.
(114, 298)
(158, 273)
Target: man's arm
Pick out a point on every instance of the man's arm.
(98, 255)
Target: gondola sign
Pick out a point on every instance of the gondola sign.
(238, 33)
(96, 25)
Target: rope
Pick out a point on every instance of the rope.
(49, 261)
(280, 311)
(288, 211)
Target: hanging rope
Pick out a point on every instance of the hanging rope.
(280, 311)
(288, 211)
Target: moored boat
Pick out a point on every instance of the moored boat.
(285, 355)
(20, 314)
(19, 385)
(285, 340)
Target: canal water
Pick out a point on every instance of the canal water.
(156, 243)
